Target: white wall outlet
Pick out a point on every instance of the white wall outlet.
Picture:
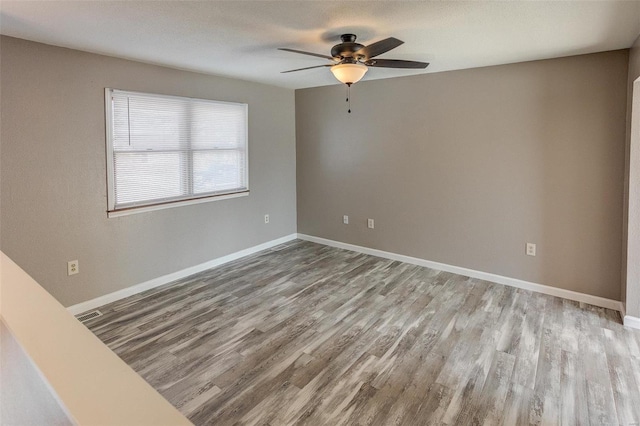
(73, 267)
(531, 249)
(345, 219)
(266, 218)
(370, 223)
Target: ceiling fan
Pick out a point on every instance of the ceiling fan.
(351, 60)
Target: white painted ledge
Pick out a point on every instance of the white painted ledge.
(92, 384)
(512, 282)
(165, 279)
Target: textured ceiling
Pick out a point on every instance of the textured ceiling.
(239, 38)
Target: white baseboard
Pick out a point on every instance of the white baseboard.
(165, 279)
(512, 282)
(633, 322)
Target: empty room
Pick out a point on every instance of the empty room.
(319, 212)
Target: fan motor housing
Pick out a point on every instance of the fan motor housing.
(347, 48)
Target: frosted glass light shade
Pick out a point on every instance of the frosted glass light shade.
(349, 73)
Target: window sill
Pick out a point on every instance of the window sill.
(144, 209)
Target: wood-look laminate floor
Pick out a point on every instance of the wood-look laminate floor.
(308, 334)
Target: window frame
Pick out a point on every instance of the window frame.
(159, 205)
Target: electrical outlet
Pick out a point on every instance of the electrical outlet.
(531, 249)
(266, 218)
(345, 219)
(370, 223)
(73, 267)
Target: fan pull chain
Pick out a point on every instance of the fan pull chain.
(349, 97)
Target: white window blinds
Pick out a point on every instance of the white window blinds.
(163, 149)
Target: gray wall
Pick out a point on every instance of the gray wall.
(53, 177)
(631, 211)
(465, 167)
(634, 61)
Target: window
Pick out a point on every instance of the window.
(167, 150)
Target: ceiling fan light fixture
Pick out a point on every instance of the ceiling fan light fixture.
(349, 73)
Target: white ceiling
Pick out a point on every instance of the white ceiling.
(239, 38)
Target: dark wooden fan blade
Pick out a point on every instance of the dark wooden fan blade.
(379, 47)
(397, 63)
(305, 53)
(307, 68)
